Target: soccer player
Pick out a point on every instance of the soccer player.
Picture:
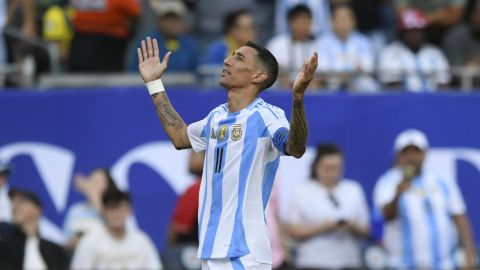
(243, 140)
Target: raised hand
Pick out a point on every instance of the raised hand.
(151, 68)
(305, 75)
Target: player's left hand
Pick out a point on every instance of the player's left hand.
(305, 76)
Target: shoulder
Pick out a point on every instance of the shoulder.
(220, 109)
(390, 177)
(360, 39)
(395, 46)
(351, 185)
(279, 39)
(431, 50)
(140, 238)
(270, 113)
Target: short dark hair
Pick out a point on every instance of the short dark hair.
(267, 60)
(297, 10)
(25, 194)
(323, 150)
(231, 19)
(114, 198)
(334, 7)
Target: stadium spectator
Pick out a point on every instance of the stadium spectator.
(346, 57)
(85, 216)
(320, 12)
(239, 28)
(462, 43)
(328, 234)
(113, 246)
(171, 36)
(57, 28)
(184, 224)
(5, 207)
(102, 30)
(440, 15)
(292, 48)
(418, 66)
(418, 207)
(23, 247)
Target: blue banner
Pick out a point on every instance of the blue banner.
(50, 136)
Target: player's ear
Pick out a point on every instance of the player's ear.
(259, 77)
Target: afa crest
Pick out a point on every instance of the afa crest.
(222, 132)
(237, 132)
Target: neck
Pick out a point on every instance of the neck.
(342, 36)
(117, 233)
(238, 101)
(328, 185)
(30, 228)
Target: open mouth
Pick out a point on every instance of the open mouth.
(225, 71)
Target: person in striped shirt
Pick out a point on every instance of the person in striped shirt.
(242, 140)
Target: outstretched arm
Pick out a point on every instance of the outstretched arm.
(296, 144)
(151, 70)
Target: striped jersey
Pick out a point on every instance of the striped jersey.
(423, 235)
(242, 154)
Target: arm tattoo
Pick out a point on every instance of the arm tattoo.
(173, 124)
(297, 139)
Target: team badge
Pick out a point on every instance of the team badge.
(212, 134)
(222, 132)
(237, 132)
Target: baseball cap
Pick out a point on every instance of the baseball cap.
(412, 19)
(164, 7)
(25, 194)
(411, 137)
(5, 168)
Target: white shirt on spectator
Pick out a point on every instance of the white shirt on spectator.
(291, 54)
(5, 206)
(312, 205)
(33, 259)
(320, 13)
(99, 250)
(419, 72)
(422, 236)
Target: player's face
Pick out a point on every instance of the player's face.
(329, 169)
(239, 68)
(412, 156)
(116, 215)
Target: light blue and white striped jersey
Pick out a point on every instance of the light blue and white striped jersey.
(422, 236)
(242, 154)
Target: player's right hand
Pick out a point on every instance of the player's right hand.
(149, 64)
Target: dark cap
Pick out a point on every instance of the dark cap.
(25, 194)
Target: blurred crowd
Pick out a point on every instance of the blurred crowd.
(328, 224)
(363, 45)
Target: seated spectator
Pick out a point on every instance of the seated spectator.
(462, 43)
(85, 216)
(345, 57)
(113, 246)
(171, 36)
(23, 247)
(423, 212)
(440, 15)
(5, 207)
(238, 30)
(102, 30)
(417, 66)
(329, 233)
(291, 49)
(319, 8)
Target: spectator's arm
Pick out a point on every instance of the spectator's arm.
(301, 232)
(466, 238)
(29, 27)
(447, 16)
(151, 69)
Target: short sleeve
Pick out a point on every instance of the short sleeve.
(385, 189)
(455, 198)
(277, 126)
(197, 136)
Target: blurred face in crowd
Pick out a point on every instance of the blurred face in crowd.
(3, 179)
(414, 39)
(116, 215)
(195, 164)
(300, 26)
(413, 156)
(475, 20)
(329, 169)
(241, 69)
(24, 211)
(343, 21)
(171, 25)
(244, 30)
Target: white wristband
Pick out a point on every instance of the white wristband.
(155, 87)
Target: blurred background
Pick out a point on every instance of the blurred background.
(76, 123)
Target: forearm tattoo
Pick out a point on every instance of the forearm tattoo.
(173, 124)
(297, 139)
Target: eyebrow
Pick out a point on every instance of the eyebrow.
(240, 54)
